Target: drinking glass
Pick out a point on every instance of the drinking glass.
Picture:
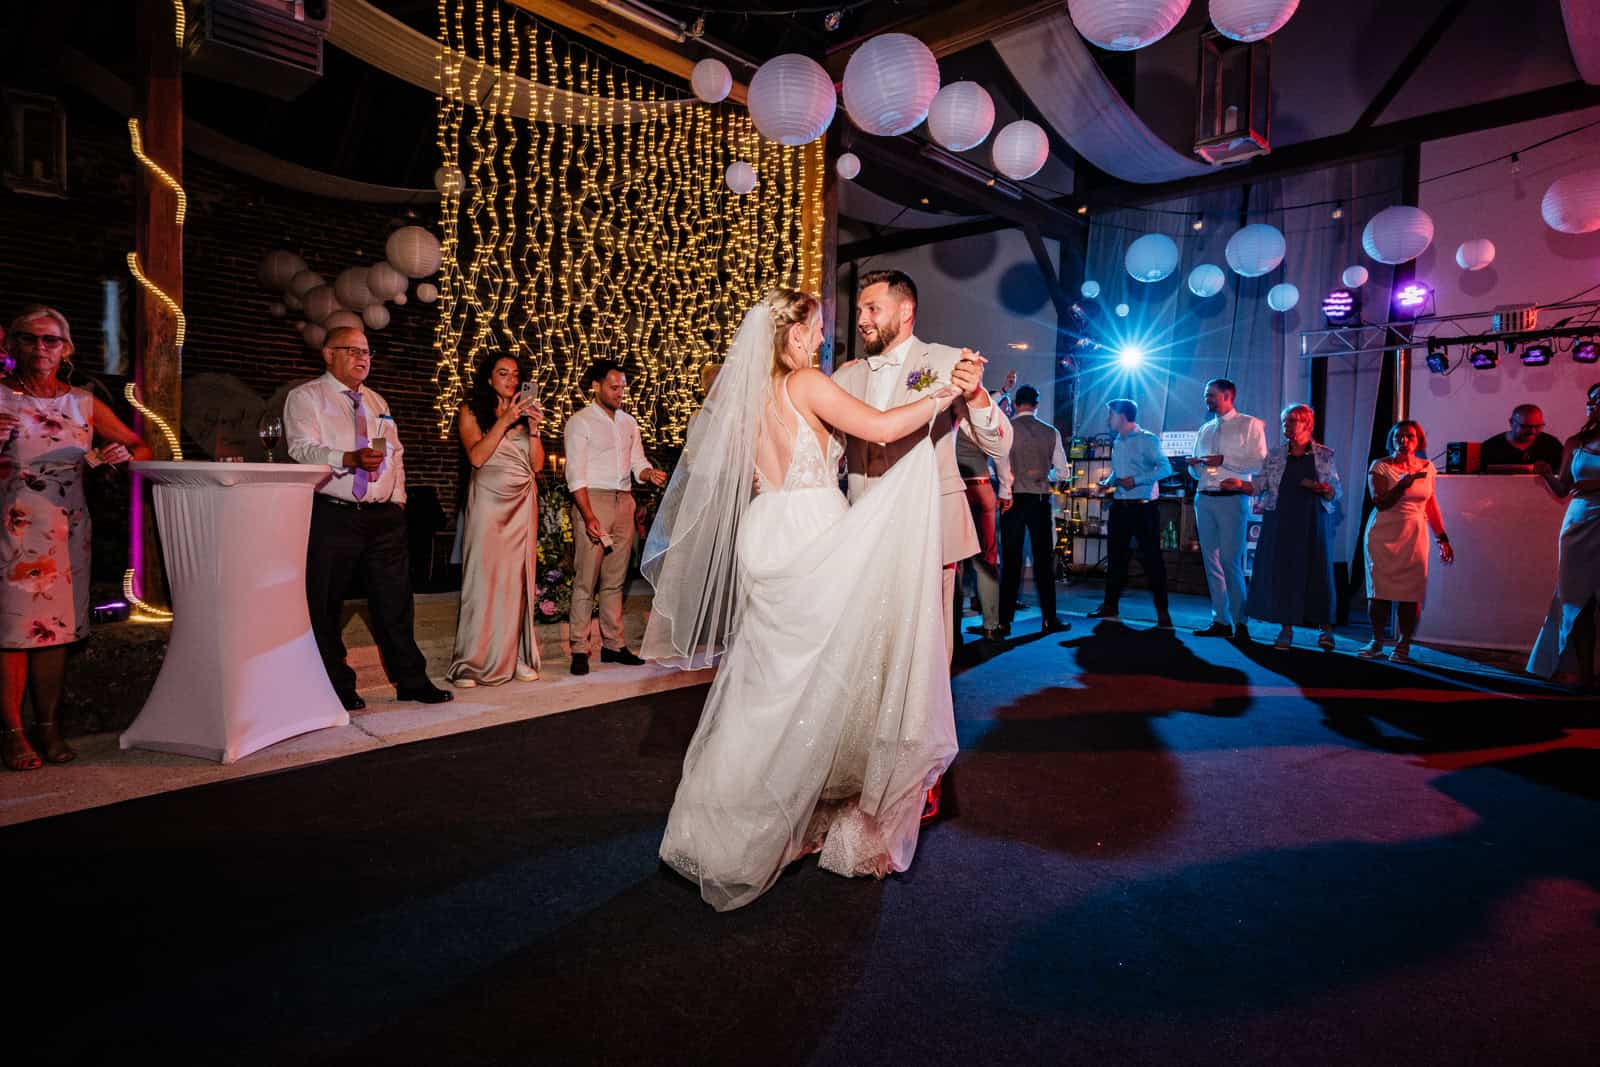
(270, 430)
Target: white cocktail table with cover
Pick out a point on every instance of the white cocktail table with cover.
(242, 670)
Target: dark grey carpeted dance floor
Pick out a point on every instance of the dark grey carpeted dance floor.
(1157, 850)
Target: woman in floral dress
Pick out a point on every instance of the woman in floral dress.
(47, 428)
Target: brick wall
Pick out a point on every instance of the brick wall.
(60, 251)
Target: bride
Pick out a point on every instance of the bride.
(830, 715)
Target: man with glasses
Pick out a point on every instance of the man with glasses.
(1525, 444)
(358, 520)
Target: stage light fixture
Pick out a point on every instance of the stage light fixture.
(1338, 306)
(1586, 350)
(831, 22)
(1537, 354)
(1130, 356)
(1413, 300)
(1438, 356)
(1198, 224)
(1484, 358)
(1337, 213)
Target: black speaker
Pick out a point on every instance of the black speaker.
(1462, 457)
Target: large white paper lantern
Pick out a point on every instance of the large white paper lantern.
(376, 316)
(351, 288)
(1475, 254)
(314, 335)
(1572, 203)
(1355, 277)
(1255, 250)
(1282, 297)
(320, 302)
(305, 281)
(1123, 25)
(741, 177)
(1122, 311)
(1090, 289)
(889, 84)
(427, 292)
(341, 320)
(791, 99)
(1398, 234)
(961, 116)
(711, 80)
(1151, 258)
(1207, 280)
(400, 298)
(1251, 20)
(413, 251)
(1020, 149)
(384, 281)
(848, 166)
(449, 181)
(278, 269)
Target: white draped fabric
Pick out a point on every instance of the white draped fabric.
(1235, 334)
(1582, 18)
(1059, 74)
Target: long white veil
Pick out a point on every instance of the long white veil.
(691, 554)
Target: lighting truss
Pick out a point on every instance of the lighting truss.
(1406, 334)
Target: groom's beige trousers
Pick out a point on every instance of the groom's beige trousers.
(592, 563)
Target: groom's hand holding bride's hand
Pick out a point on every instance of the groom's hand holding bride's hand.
(967, 376)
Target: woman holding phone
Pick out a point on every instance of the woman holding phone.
(499, 428)
(1401, 485)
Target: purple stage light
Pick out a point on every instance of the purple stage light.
(1586, 351)
(1337, 305)
(1537, 354)
(1412, 299)
(1484, 358)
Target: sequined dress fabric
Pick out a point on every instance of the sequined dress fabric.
(830, 714)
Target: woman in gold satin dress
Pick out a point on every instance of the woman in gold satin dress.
(495, 635)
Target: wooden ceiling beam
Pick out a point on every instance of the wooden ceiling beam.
(950, 29)
(618, 33)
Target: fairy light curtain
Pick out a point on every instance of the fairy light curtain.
(609, 233)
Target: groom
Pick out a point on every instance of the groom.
(886, 313)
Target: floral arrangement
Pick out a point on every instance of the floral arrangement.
(922, 378)
(555, 551)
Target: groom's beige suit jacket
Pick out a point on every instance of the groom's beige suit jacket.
(867, 461)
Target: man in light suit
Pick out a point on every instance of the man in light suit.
(899, 367)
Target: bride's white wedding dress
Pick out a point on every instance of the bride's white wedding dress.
(830, 716)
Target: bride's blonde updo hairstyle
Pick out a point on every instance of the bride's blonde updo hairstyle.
(789, 307)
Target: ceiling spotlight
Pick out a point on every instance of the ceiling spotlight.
(1438, 356)
(1516, 163)
(1586, 350)
(1537, 354)
(1198, 224)
(1484, 358)
(1338, 306)
(1413, 300)
(697, 28)
(1337, 212)
(1083, 209)
(1130, 356)
(831, 21)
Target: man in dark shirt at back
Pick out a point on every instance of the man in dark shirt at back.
(1524, 444)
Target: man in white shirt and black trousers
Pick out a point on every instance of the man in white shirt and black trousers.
(358, 519)
(605, 453)
(1229, 451)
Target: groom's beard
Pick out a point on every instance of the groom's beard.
(878, 343)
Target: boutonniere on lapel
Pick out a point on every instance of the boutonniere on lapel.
(921, 378)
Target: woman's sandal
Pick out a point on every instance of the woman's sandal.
(54, 747)
(16, 753)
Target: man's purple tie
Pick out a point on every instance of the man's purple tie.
(359, 490)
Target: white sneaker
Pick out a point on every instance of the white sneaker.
(464, 683)
(1401, 653)
(1371, 650)
(526, 674)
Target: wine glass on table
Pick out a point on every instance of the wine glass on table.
(270, 430)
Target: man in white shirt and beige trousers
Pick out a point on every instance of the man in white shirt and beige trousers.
(1229, 451)
(605, 453)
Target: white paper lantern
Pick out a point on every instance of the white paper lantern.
(343, 319)
(1572, 203)
(1355, 277)
(305, 281)
(961, 116)
(1282, 297)
(1255, 250)
(848, 166)
(314, 335)
(384, 281)
(792, 99)
(741, 177)
(889, 83)
(711, 80)
(1122, 311)
(1123, 25)
(1207, 280)
(278, 268)
(1398, 234)
(320, 303)
(292, 302)
(277, 309)
(351, 288)
(1151, 258)
(1251, 20)
(427, 292)
(413, 251)
(399, 298)
(376, 316)
(449, 181)
(1090, 289)
(1020, 149)
(1475, 254)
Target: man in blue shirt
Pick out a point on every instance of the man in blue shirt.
(1137, 467)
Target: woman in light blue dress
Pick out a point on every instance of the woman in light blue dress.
(1566, 643)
